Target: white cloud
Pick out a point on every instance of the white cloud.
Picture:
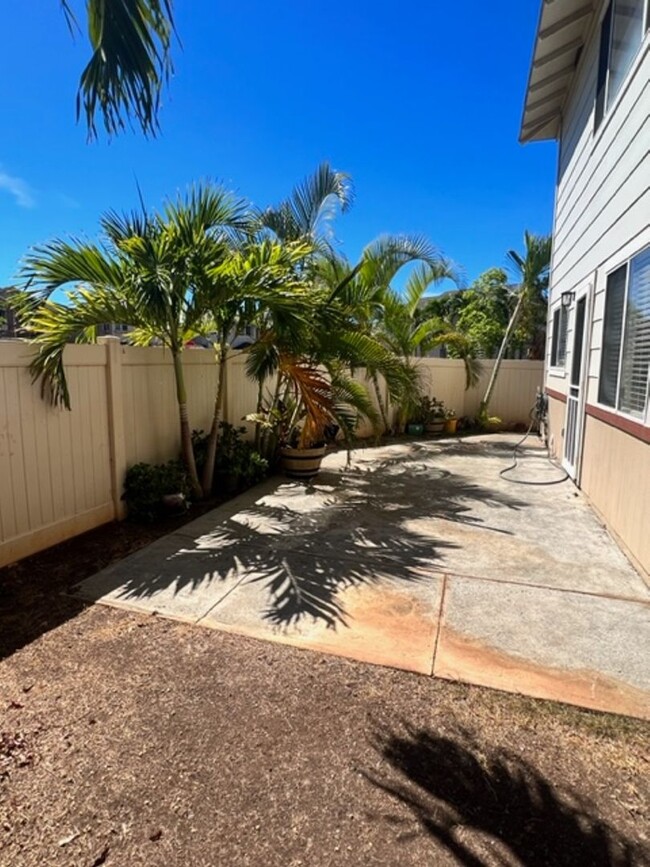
(18, 188)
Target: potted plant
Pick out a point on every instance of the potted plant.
(435, 416)
(297, 426)
(418, 417)
(451, 421)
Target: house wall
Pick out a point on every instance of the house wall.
(602, 218)
(616, 479)
(62, 471)
(602, 206)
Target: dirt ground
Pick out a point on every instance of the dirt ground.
(132, 740)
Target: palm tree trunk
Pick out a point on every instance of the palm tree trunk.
(485, 403)
(213, 437)
(186, 434)
(380, 402)
(258, 426)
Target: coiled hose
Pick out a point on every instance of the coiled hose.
(537, 416)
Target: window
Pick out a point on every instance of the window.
(558, 339)
(625, 363)
(621, 35)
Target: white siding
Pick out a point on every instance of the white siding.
(602, 210)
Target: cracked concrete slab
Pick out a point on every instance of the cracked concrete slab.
(571, 647)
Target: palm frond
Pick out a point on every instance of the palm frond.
(351, 402)
(384, 257)
(312, 206)
(262, 358)
(59, 263)
(313, 391)
(205, 208)
(55, 325)
(130, 63)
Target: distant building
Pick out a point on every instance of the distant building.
(8, 319)
(113, 329)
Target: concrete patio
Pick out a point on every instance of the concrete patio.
(420, 556)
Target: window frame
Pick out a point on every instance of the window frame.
(644, 417)
(608, 12)
(559, 315)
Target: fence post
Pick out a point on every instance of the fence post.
(115, 421)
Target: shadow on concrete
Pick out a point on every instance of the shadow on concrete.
(307, 543)
(495, 807)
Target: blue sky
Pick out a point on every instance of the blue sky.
(420, 103)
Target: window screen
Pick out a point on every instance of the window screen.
(612, 332)
(559, 337)
(554, 337)
(636, 342)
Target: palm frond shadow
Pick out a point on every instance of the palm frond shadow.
(473, 800)
(307, 544)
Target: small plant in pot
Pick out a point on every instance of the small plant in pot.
(435, 415)
(417, 418)
(451, 421)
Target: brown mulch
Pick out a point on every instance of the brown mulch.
(132, 740)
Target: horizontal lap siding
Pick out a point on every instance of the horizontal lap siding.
(603, 194)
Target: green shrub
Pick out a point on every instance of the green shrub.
(237, 464)
(145, 486)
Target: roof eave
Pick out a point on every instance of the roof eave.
(561, 33)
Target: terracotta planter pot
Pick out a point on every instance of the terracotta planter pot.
(450, 425)
(436, 427)
(302, 463)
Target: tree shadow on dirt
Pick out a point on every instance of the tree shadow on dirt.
(489, 807)
(308, 543)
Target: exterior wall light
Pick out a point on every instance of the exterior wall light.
(567, 299)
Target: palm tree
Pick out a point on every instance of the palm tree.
(130, 62)
(365, 287)
(145, 275)
(304, 218)
(401, 329)
(257, 280)
(310, 367)
(533, 270)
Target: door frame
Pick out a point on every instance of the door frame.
(586, 294)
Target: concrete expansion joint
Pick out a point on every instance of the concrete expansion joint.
(441, 612)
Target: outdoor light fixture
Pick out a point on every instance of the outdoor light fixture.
(567, 299)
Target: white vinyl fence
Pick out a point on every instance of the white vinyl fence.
(61, 472)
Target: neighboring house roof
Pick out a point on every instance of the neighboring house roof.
(561, 33)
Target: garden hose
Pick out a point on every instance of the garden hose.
(537, 415)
